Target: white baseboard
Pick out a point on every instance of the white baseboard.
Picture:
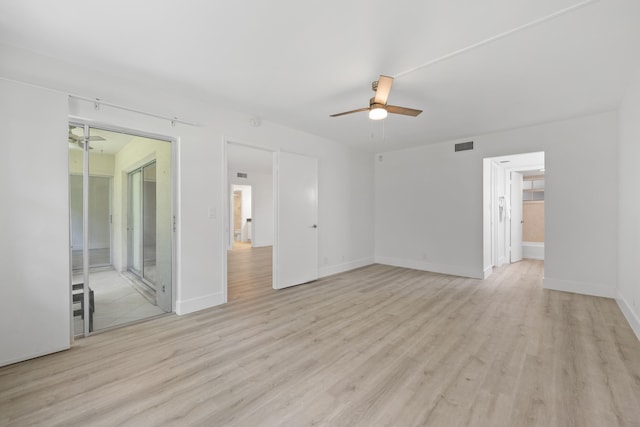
(487, 272)
(346, 266)
(533, 250)
(199, 303)
(33, 356)
(261, 244)
(454, 270)
(593, 289)
(629, 314)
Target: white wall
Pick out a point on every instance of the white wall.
(345, 175)
(429, 203)
(629, 210)
(35, 306)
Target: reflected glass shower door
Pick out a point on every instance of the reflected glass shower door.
(149, 223)
(135, 222)
(142, 223)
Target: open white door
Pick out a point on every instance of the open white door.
(295, 252)
(516, 216)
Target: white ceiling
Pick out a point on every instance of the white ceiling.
(472, 66)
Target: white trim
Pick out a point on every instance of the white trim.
(225, 214)
(275, 257)
(584, 288)
(632, 318)
(22, 358)
(454, 270)
(533, 250)
(346, 266)
(200, 303)
(487, 272)
(261, 244)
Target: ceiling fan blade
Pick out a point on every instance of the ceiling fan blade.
(78, 138)
(78, 143)
(403, 110)
(382, 92)
(350, 112)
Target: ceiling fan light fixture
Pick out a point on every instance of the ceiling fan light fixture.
(377, 113)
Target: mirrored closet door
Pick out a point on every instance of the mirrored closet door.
(121, 227)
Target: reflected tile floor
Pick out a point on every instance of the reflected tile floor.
(116, 301)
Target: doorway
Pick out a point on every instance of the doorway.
(242, 216)
(289, 224)
(510, 214)
(120, 186)
(250, 217)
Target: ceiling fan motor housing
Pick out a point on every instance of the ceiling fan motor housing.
(374, 104)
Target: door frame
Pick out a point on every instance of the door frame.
(80, 121)
(515, 224)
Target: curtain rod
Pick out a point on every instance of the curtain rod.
(97, 102)
(498, 36)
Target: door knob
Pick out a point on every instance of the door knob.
(314, 226)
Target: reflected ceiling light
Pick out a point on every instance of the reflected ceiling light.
(377, 112)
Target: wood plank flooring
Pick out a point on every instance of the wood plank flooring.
(378, 346)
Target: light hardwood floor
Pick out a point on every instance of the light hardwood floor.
(376, 346)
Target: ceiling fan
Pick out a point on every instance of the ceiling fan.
(79, 140)
(378, 107)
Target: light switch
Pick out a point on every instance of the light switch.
(212, 213)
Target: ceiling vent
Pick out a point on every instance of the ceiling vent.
(242, 175)
(463, 146)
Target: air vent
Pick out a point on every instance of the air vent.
(242, 175)
(464, 146)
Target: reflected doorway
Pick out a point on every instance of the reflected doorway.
(513, 220)
(242, 216)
